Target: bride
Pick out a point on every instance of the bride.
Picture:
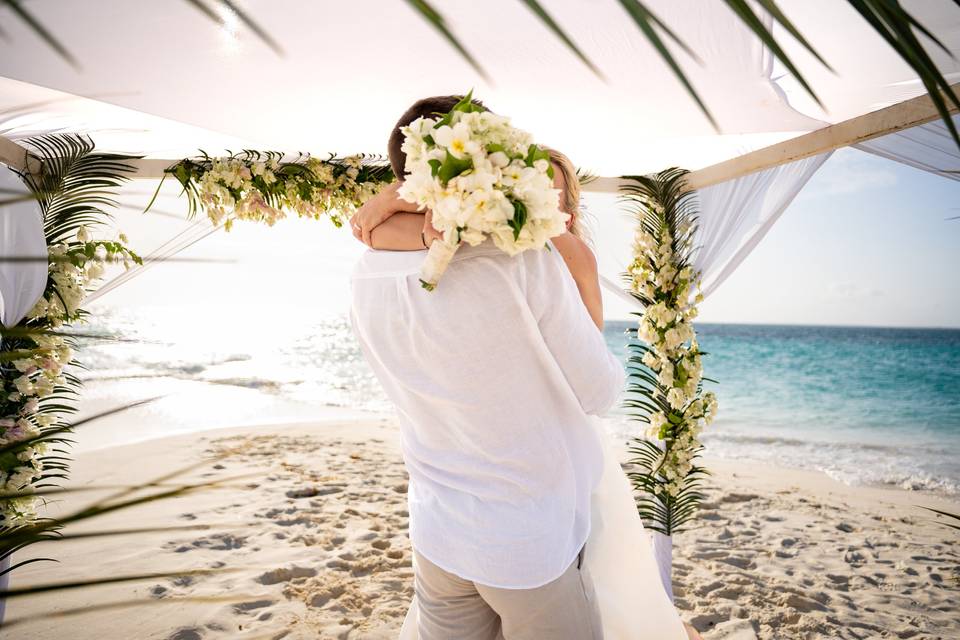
(619, 558)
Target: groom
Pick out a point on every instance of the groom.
(493, 375)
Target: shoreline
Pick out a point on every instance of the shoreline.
(279, 411)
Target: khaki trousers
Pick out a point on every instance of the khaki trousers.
(452, 608)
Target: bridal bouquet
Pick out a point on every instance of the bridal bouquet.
(481, 178)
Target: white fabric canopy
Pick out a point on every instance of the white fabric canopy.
(928, 147)
(350, 69)
(21, 236)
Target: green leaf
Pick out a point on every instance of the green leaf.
(434, 167)
(42, 32)
(646, 21)
(253, 26)
(452, 167)
(428, 13)
(551, 24)
(519, 217)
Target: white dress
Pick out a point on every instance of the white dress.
(619, 560)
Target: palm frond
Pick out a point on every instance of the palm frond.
(948, 515)
(437, 21)
(16, 6)
(241, 15)
(261, 33)
(75, 186)
(82, 584)
(649, 25)
(896, 26)
(551, 24)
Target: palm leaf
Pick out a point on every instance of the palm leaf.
(896, 26)
(648, 24)
(551, 24)
(431, 15)
(253, 26)
(75, 186)
(17, 8)
(241, 15)
(82, 584)
(946, 514)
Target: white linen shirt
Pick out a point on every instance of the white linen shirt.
(493, 375)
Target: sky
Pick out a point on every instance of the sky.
(867, 242)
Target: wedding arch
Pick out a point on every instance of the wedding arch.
(736, 196)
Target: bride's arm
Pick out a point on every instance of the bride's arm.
(400, 232)
(378, 210)
(583, 267)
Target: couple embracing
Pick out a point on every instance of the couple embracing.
(522, 522)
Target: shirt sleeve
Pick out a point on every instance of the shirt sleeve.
(578, 347)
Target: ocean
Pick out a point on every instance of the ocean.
(875, 406)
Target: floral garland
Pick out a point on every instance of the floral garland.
(33, 377)
(261, 186)
(665, 368)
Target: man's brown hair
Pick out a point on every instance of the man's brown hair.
(424, 108)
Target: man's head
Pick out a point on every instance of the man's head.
(425, 108)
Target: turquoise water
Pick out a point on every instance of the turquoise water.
(875, 405)
(865, 405)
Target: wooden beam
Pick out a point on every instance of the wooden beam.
(16, 157)
(903, 115)
(910, 113)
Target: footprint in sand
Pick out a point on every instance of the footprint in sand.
(216, 542)
(187, 633)
(285, 574)
(253, 605)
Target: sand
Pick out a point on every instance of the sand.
(307, 537)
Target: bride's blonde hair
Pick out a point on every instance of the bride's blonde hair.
(570, 198)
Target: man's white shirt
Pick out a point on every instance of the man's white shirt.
(493, 375)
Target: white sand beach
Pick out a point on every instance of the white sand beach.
(307, 535)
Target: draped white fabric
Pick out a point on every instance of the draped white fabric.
(735, 215)
(638, 119)
(928, 147)
(21, 236)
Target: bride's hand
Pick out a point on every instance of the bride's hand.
(429, 233)
(375, 211)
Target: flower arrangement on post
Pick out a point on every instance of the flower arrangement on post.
(480, 177)
(35, 384)
(37, 388)
(261, 186)
(665, 372)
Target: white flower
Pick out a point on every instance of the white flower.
(456, 139)
(83, 235)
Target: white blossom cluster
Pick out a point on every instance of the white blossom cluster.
(481, 178)
(667, 327)
(239, 188)
(37, 373)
